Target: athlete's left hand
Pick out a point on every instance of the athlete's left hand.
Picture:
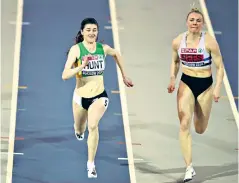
(128, 82)
(216, 94)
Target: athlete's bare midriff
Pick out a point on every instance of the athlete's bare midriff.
(195, 72)
(89, 87)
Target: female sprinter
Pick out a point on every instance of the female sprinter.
(86, 61)
(196, 50)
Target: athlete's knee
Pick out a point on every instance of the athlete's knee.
(200, 129)
(185, 124)
(200, 124)
(92, 127)
(184, 121)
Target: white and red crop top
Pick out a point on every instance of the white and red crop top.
(194, 57)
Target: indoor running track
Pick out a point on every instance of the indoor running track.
(44, 124)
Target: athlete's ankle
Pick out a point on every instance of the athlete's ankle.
(189, 165)
(79, 132)
(90, 164)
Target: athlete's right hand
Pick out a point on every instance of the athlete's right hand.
(128, 82)
(86, 60)
(171, 86)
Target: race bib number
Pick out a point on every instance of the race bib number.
(95, 66)
(191, 57)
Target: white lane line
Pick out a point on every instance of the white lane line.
(14, 91)
(115, 31)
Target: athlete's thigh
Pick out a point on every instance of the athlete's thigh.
(185, 102)
(79, 113)
(203, 107)
(97, 110)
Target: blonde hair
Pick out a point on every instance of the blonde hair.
(195, 10)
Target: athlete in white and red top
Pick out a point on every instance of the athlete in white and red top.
(194, 57)
(195, 49)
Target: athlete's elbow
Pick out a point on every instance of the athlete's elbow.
(117, 57)
(64, 79)
(221, 68)
(222, 71)
(64, 76)
(117, 54)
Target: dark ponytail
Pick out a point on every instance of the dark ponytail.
(79, 37)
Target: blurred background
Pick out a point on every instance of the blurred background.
(37, 137)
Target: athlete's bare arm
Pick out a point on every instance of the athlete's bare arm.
(217, 58)
(213, 47)
(117, 57)
(175, 58)
(68, 71)
(175, 63)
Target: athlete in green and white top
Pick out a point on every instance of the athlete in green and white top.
(86, 61)
(90, 78)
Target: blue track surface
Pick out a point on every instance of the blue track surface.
(224, 18)
(51, 152)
